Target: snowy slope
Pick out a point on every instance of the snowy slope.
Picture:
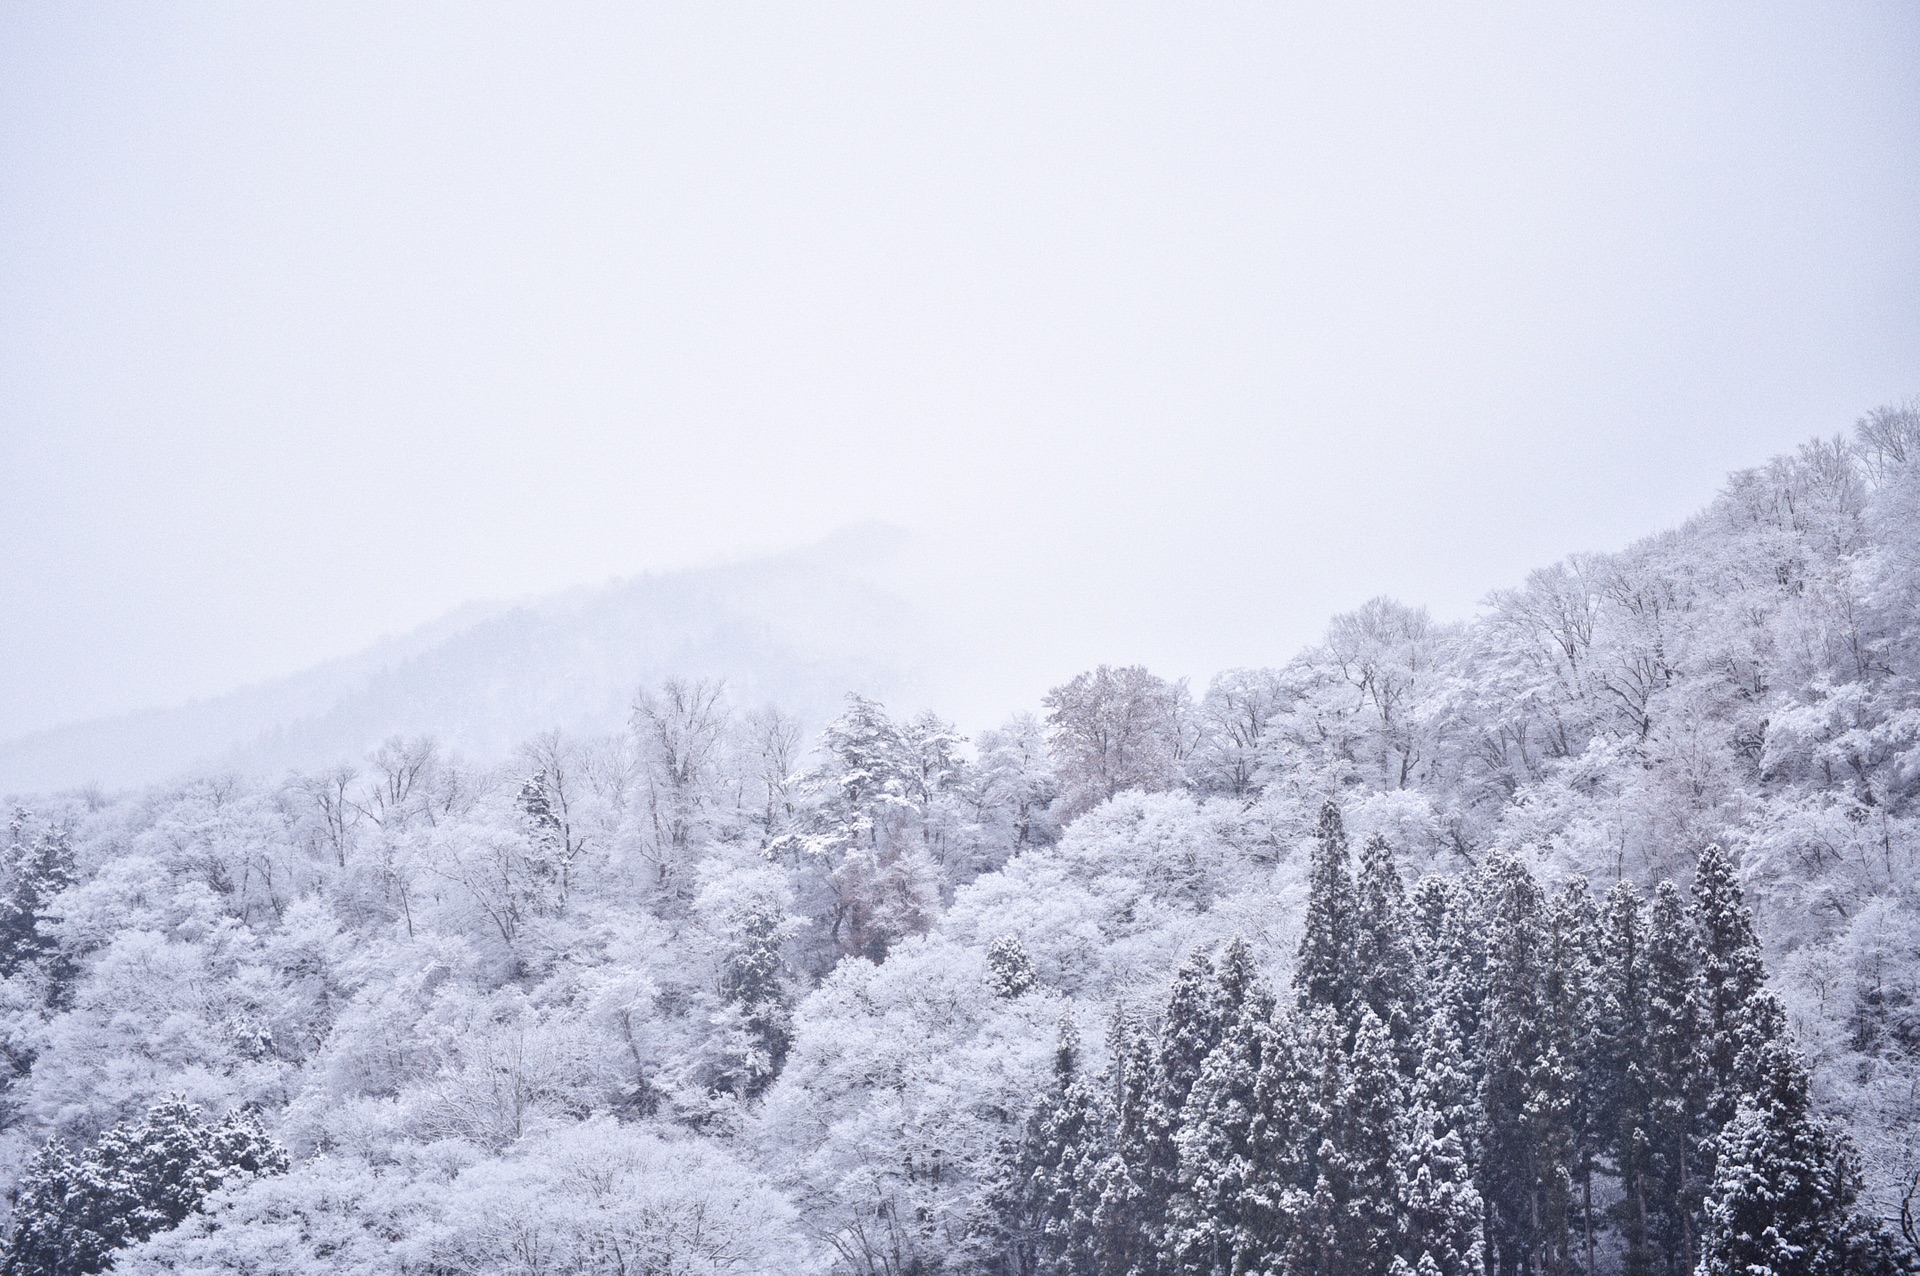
(802, 629)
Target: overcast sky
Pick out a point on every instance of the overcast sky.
(1176, 327)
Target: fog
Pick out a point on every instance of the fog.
(1167, 331)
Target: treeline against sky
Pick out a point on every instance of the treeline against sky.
(734, 994)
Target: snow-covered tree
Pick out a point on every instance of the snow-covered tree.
(73, 1212)
(1785, 1196)
(1009, 968)
(1327, 972)
(37, 865)
(1115, 729)
(1445, 1229)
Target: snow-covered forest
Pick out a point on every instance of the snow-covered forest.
(1582, 937)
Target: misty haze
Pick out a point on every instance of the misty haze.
(1001, 640)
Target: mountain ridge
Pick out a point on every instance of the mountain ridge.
(802, 626)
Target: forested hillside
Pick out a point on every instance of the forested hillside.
(1583, 937)
(802, 627)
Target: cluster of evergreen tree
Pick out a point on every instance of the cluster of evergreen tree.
(1481, 1077)
(35, 867)
(72, 1212)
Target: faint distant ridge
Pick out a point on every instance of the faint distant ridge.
(800, 628)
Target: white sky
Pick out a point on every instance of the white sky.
(1179, 327)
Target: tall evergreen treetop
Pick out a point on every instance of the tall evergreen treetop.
(1222, 1215)
(1366, 1163)
(1188, 1034)
(1235, 979)
(1574, 1029)
(1385, 947)
(139, 1178)
(38, 866)
(1514, 1045)
(1445, 1218)
(1672, 1064)
(1326, 974)
(1733, 981)
(1785, 1193)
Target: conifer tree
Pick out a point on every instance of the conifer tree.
(859, 822)
(1427, 908)
(1385, 951)
(1551, 1138)
(1292, 1120)
(1445, 1220)
(537, 816)
(1624, 1094)
(38, 867)
(48, 1235)
(1235, 979)
(1571, 997)
(137, 1179)
(1785, 1194)
(1325, 974)
(1315, 1247)
(753, 980)
(1222, 1215)
(1511, 1169)
(1738, 1017)
(1345, 1214)
(1057, 1171)
(1118, 1242)
(1366, 1154)
(1672, 1064)
(1009, 969)
(1122, 1241)
(1456, 963)
(1191, 1029)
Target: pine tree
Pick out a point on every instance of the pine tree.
(1325, 974)
(1123, 1240)
(1346, 1210)
(1292, 1120)
(1057, 1171)
(538, 818)
(38, 867)
(137, 1179)
(860, 822)
(753, 981)
(550, 846)
(1445, 1220)
(1551, 1136)
(1195, 1019)
(1455, 960)
(1117, 1241)
(1737, 1014)
(1512, 1172)
(1366, 1160)
(1571, 998)
(1221, 1216)
(1784, 1199)
(47, 1235)
(1625, 1100)
(1672, 1063)
(1385, 951)
(1315, 1247)
(1235, 979)
(1431, 901)
(238, 1142)
(1009, 969)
